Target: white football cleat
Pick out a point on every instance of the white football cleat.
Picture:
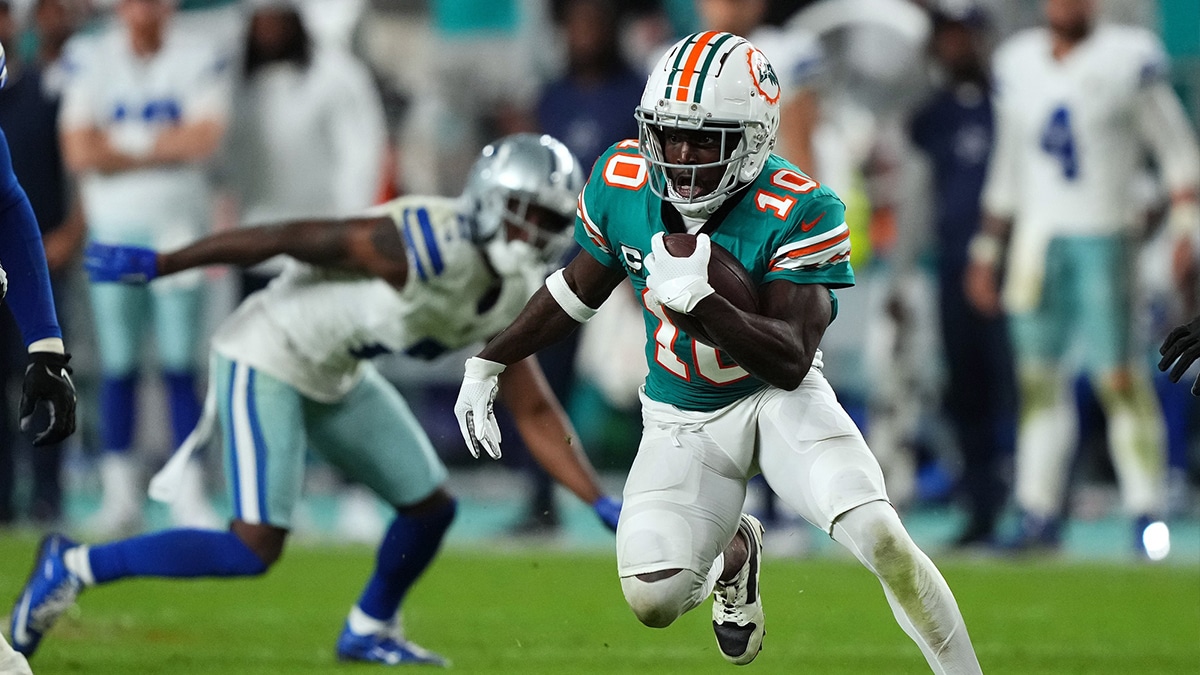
(737, 605)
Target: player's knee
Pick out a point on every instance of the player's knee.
(1040, 387)
(264, 541)
(1122, 387)
(877, 536)
(658, 600)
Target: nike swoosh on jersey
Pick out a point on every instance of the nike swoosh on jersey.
(805, 226)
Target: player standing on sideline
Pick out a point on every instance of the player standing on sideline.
(289, 368)
(954, 129)
(48, 383)
(1074, 103)
(712, 418)
(143, 111)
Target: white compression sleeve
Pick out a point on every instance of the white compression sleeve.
(566, 298)
(921, 601)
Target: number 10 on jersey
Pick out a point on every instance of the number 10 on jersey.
(710, 364)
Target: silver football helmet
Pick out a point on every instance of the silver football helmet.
(713, 82)
(528, 183)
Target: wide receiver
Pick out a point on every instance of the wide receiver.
(419, 275)
(714, 417)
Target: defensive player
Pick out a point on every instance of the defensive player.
(419, 275)
(48, 383)
(714, 417)
(1076, 102)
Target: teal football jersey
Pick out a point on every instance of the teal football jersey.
(784, 225)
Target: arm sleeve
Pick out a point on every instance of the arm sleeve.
(588, 232)
(210, 97)
(23, 258)
(79, 98)
(1000, 185)
(1163, 124)
(359, 136)
(816, 249)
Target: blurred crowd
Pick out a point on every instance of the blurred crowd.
(322, 108)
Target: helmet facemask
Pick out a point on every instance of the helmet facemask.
(522, 194)
(681, 184)
(527, 224)
(708, 83)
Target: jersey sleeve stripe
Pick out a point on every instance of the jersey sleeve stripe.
(816, 240)
(431, 245)
(412, 246)
(590, 228)
(831, 250)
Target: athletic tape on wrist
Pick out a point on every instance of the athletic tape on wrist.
(566, 298)
(984, 248)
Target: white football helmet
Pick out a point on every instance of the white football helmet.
(714, 82)
(3, 67)
(512, 175)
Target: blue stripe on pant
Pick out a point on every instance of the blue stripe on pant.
(247, 447)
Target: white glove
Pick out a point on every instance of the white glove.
(678, 283)
(476, 420)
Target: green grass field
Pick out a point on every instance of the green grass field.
(546, 611)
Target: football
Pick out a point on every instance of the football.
(725, 274)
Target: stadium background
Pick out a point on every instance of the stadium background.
(1096, 571)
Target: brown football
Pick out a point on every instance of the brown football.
(725, 274)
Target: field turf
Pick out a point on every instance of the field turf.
(547, 611)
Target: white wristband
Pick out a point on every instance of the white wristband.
(50, 344)
(566, 298)
(984, 248)
(482, 369)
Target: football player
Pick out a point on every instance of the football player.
(289, 370)
(1077, 102)
(48, 383)
(715, 416)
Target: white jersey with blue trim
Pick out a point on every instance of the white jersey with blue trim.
(313, 327)
(1071, 132)
(132, 100)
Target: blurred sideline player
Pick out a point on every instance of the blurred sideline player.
(954, 129)
(713, 418)
(289, 368)
(143, 111)
(47, 388)
(1075, 103)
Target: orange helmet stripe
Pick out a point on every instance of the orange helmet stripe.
(689, 67)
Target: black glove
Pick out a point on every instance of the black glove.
(1183, 344)
(48, 382)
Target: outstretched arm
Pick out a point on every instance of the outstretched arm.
(47, 381)
(370, 246)
(777, 345)
(547, 431)
(584, 284)
(543, 321)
